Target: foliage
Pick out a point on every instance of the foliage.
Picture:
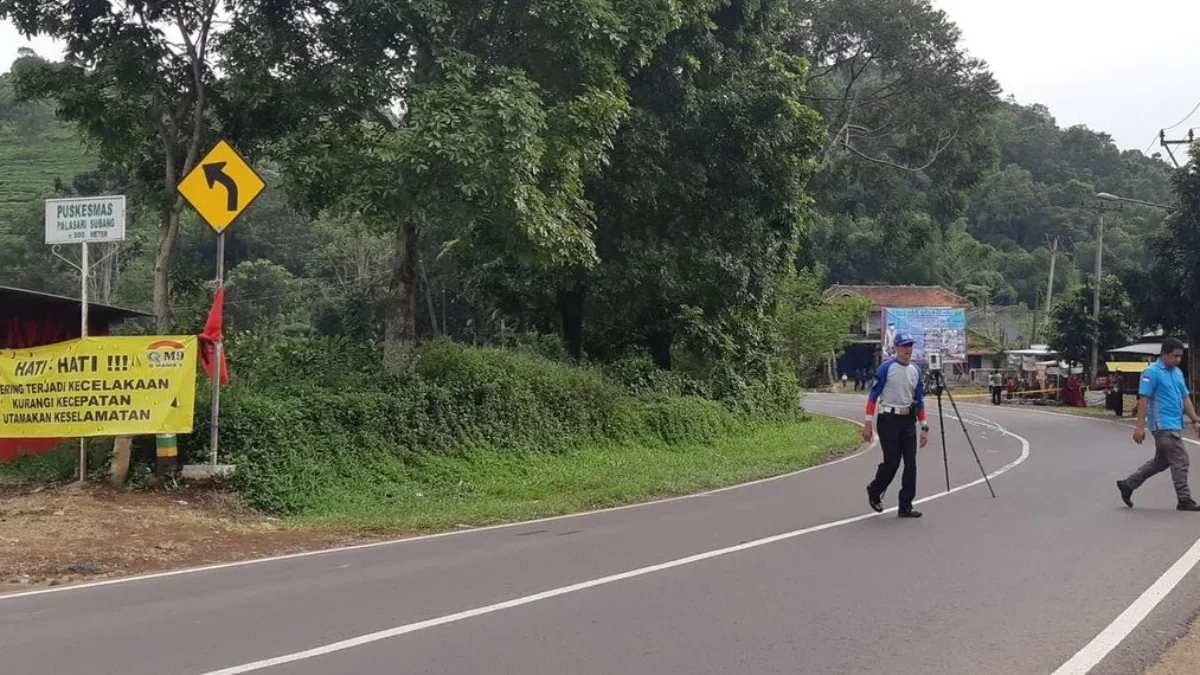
(700, 208)
(507, 109)
(1073, 325)
(1168, 291)
(138, 97)
(300, 438)
(813, 329)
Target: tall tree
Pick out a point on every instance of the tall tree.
(1073, 324)
(136, 80)
(899, 93)
(1169, 295)
(475, 122)
(701, 206)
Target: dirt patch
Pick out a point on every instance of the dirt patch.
(1183, 658)
(61, 535)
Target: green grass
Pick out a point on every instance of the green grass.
(484, 488)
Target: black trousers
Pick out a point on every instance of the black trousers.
(995, 395)
(898, 439)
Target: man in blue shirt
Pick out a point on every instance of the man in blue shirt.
(898, 399)
(1163, 398)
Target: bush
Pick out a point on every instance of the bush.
(319, 441)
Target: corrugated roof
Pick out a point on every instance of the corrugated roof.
(901, 296)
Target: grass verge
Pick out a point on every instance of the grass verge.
(485, 488)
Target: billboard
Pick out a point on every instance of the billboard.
(941, 329)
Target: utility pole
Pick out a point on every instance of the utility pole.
(1050, 283)
(1163, 141)
(1096, 299)
(1193, 341)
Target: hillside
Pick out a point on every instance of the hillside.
(35, 150)
(1036, 184)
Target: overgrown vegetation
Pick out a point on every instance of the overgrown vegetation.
(317, 430)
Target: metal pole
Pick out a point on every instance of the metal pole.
(217, 349)
(1050, 284)
(1096, 300)
(83, 333)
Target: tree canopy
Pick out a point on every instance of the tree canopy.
(649, 179)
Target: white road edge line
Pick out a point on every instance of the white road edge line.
(1095, 651)
(439, 535)
(564, 590)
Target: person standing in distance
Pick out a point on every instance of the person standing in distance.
(1163, 397)
(899, 399)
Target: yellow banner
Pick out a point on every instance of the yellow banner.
(99, 386)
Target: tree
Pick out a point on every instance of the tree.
(474, 122)
(140, 98)
(1169, 295)
(812, 329)
(1073, 326)
(701, 205)
(898, 92)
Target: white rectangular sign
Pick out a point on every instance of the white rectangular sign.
(95, 220)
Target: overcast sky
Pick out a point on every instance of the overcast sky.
(1126, 67)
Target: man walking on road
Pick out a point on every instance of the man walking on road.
(1163, 397)
(899, 398)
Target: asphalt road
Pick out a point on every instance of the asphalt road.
(794, 575)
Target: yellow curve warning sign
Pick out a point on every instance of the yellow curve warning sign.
(99, 386)
(221, 186)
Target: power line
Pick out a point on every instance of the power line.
(1162, 131)
(1189, 116)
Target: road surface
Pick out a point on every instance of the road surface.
(794, 575)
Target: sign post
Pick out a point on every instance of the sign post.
(220, 188)
(80, 220)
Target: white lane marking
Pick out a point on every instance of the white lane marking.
(573, 588)
(1116, 632)
(439, 535)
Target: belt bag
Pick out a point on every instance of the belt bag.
(896, 410)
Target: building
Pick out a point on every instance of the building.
(866, 339)
(33, 319)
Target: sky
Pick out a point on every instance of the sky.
(1124, 67)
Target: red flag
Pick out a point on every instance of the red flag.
(211, 335)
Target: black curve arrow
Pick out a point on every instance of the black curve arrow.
(215, 173)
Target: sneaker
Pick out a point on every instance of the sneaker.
(1189, 505)
(910, 513)
(1126, 493)
(874, 500)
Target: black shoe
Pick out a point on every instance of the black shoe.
(874, 500)
(1126, 493)
(910, 513)
(1189, 505)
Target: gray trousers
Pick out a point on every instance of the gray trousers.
(1169, 453)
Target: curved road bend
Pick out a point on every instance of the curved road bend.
(794, 575)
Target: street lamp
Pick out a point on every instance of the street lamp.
(1113, 198)
(1108, 197)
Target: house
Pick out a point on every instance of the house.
(865, 348)
(33, 319)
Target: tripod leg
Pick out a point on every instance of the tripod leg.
(942, 431)
(969, 441)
